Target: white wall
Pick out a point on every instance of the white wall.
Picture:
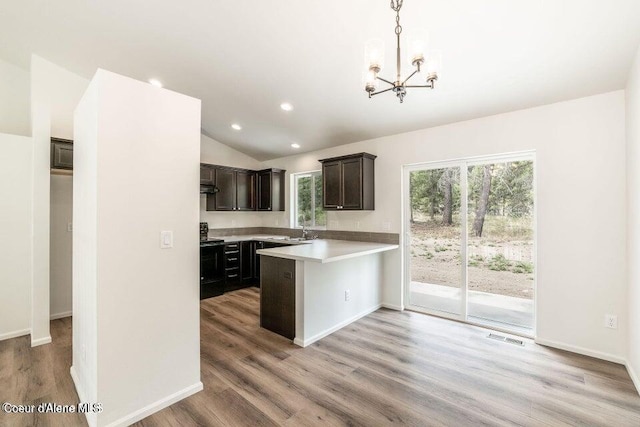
(84, 368)
(15, 235)
(55, 92)
(214, 152)
(580, 146)
(137, 166)
(633, 216)
(63, 90)
(41, 132)
(14, 100)
(320, 300)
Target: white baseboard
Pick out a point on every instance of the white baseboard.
(319, 336)
(82, 397)
(393, 307)
(634, 377)
(40, 341)
(580, 350)
(141, 413)
(60, 315)
(154, 407)
(14, 334)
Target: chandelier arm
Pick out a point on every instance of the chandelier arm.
(429, 86)
(410, 75)
(381, 91)
(384, 80)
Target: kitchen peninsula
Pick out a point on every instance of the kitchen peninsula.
(309, 291)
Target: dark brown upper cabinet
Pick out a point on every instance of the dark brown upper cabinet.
(348, 182)
(61, 154)
(234, 189)
(246, 190)
(225, 198)
(207, 175)
(271, 190)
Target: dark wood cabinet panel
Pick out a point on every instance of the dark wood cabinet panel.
(348, 182)
(277, 296)
(351, 183)
(245, 190)
(247, 258)
(271, 190)
(225, 198)
(233, 189)
(331, 179)
(264, 190)
(207, 175)
(61, 154)
(232, 264)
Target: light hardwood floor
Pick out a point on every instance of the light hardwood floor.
(387, 368)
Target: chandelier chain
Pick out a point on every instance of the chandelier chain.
(396, 5)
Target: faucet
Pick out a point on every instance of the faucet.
(305, 232)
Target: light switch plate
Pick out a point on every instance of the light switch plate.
(166, 239)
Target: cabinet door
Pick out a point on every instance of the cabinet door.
(277, 191)
(245, 190)
(247, 255)
(61, 155)
(277, 296)
(264, 190)
(207, 176)
(331, 188)
(352, 184)
(226, 183)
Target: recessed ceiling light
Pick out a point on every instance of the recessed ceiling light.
(155, 82)
(286, 106)
(295, 145)
(236, 126)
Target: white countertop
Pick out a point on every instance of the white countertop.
(324, 251)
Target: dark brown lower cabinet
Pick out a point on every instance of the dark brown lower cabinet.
(278, 295)
(247, 262)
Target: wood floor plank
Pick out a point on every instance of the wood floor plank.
(389, 367)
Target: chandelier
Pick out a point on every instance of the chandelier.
(374, 58)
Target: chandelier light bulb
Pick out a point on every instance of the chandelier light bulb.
(434, 63)
(374, 54)
(417, 47)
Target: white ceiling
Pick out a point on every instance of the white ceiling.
(245, 57)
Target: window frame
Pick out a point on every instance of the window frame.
(314, 175)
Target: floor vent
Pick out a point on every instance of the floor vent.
(505, 339)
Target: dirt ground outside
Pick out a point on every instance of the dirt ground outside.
(500, 262)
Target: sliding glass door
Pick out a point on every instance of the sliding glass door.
(469, 235)
(436, 244)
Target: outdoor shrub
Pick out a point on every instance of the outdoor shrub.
(499, 263)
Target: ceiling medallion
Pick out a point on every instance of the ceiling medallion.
(374, 58)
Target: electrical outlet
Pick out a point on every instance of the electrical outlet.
(347, 295)
(70, 227)
(233, 222)
(611, 321)
(386, 226)
(357, 225)
(277, 222)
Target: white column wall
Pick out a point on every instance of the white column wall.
(141, 176)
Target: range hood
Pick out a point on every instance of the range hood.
(208, 189)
